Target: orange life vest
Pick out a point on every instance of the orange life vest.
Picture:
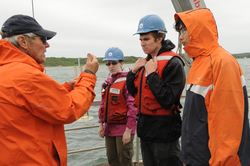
(145, 101)
(115, 105)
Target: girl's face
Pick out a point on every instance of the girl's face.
(114, 66)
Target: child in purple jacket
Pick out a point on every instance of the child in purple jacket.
(117, 114)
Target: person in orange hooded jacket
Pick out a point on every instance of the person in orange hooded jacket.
(215, 129)
(33, 106)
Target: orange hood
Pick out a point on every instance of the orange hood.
(202, 31)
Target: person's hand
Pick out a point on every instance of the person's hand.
(101, 131)
(92, 63)
(151, 65)
(126, 136)
(138, 64)
(73, 81)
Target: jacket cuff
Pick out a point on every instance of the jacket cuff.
(68, 86)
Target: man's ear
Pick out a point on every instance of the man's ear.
(159, 39)
(22, 41)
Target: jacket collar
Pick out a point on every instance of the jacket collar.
(112, 77)
(10, 54)
(167, 45)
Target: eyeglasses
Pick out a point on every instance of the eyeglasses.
(44, 39)
(182, 31)
(113, 63)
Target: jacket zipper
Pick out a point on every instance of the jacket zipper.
(141, 89)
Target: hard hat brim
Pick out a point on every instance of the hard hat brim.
(147, 31)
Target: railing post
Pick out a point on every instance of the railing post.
(137, 150)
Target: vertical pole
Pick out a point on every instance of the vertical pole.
(78, 60)
(137, 150)
(179, 49)
(32, 8)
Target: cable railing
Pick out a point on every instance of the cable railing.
(137, 160)
(96, 103)
(84, 150)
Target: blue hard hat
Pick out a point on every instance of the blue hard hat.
(151, 23)
(113, 54)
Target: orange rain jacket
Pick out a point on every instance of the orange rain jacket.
(33, 109)
(215, 129)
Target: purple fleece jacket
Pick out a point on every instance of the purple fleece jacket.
(119, 129)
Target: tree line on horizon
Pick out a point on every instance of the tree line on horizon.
(54, 61)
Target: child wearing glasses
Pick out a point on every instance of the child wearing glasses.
(215, 128)
(117, 114)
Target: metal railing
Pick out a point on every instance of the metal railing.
(137, 160)
(96, 103)
(84, 150)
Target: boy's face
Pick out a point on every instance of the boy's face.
(149, 44)
(183, 36)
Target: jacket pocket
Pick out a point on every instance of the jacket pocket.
(151, 103)
(117, 116)
(115, 99)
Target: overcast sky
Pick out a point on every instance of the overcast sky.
(92, 26)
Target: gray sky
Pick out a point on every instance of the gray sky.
(92, 26)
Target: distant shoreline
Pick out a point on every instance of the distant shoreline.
(64, 62)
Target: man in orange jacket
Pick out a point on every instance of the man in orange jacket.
(215, 129)
(33, 106)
